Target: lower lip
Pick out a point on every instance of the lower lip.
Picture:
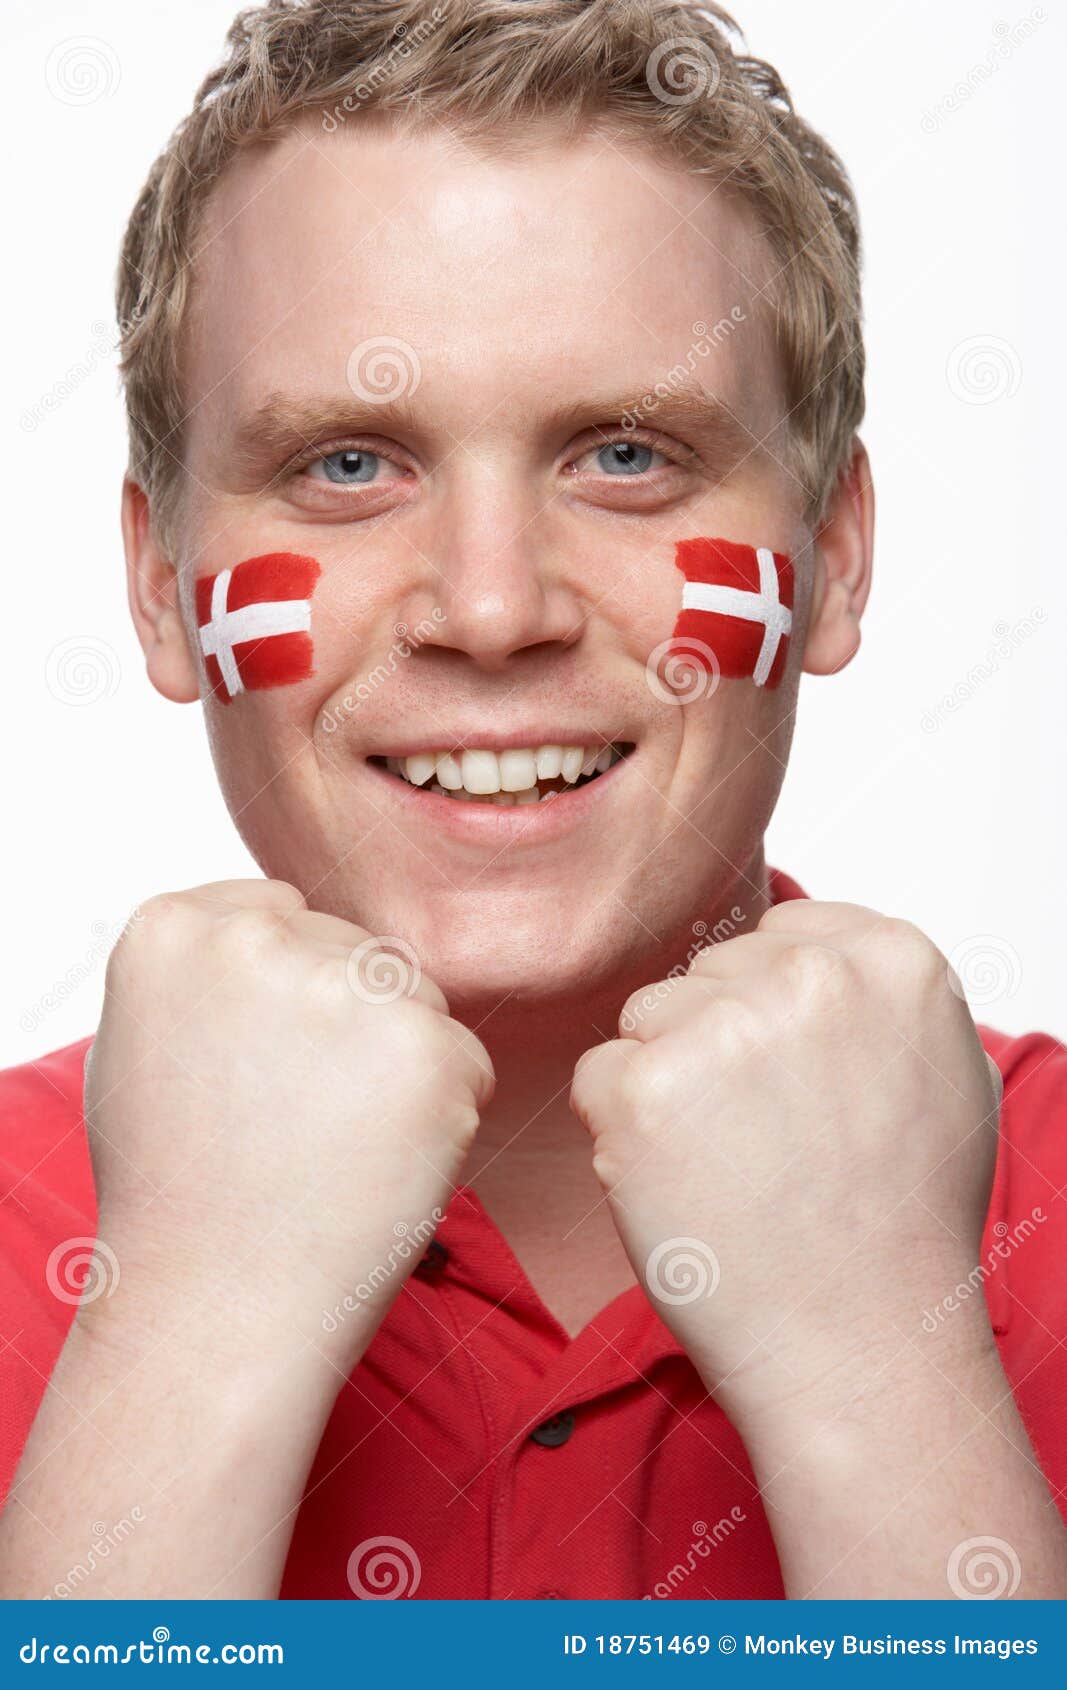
(504, 824)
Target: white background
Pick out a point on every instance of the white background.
(948, 118)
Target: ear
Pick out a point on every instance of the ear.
(152, 588)
(844, 546)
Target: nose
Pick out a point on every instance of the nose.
(499, 574)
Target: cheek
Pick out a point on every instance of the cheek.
(253, 624)
(731, 616)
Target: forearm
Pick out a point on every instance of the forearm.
(890, 1488)
(153, 1472)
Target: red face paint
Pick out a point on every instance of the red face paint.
(738, 602)
(254, 623)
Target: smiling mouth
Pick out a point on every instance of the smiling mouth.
(522, 775)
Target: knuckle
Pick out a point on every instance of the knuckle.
(782, 914)
(284, 896)
(160, 922)
(732, 1028)
(810, 967)
(248, 930)
(607, 1169)
(905, 949)
(407, 1031)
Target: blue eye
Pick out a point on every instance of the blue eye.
(625, 457)
(346, 468)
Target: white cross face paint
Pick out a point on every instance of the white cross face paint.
(254, 623)
(737, 602)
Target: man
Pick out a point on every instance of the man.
(520, 1191)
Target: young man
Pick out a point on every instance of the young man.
(520, 1191)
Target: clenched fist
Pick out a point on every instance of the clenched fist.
(797, 1138)
(274, 1104)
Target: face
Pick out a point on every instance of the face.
(489, 399)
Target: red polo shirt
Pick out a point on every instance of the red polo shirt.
(477, 1450)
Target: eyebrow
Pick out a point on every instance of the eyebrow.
(717, 432)
(284, 425)
(276, 431)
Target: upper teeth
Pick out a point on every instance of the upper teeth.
(481, 773)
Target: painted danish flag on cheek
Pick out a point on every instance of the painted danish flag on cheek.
(737, 602)
(255, 623)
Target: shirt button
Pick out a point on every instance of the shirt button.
(551, 1433)
(548, 1596)
(434, 1262)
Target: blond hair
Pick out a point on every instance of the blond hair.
(664, 71)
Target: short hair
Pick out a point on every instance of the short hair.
(662, 71)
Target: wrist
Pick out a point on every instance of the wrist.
(869, 1373)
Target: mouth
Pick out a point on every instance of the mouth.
(519, 775)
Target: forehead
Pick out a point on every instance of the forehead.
(576, 262)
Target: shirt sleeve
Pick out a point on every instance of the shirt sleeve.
(1023, 1264)
(47, 1228)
